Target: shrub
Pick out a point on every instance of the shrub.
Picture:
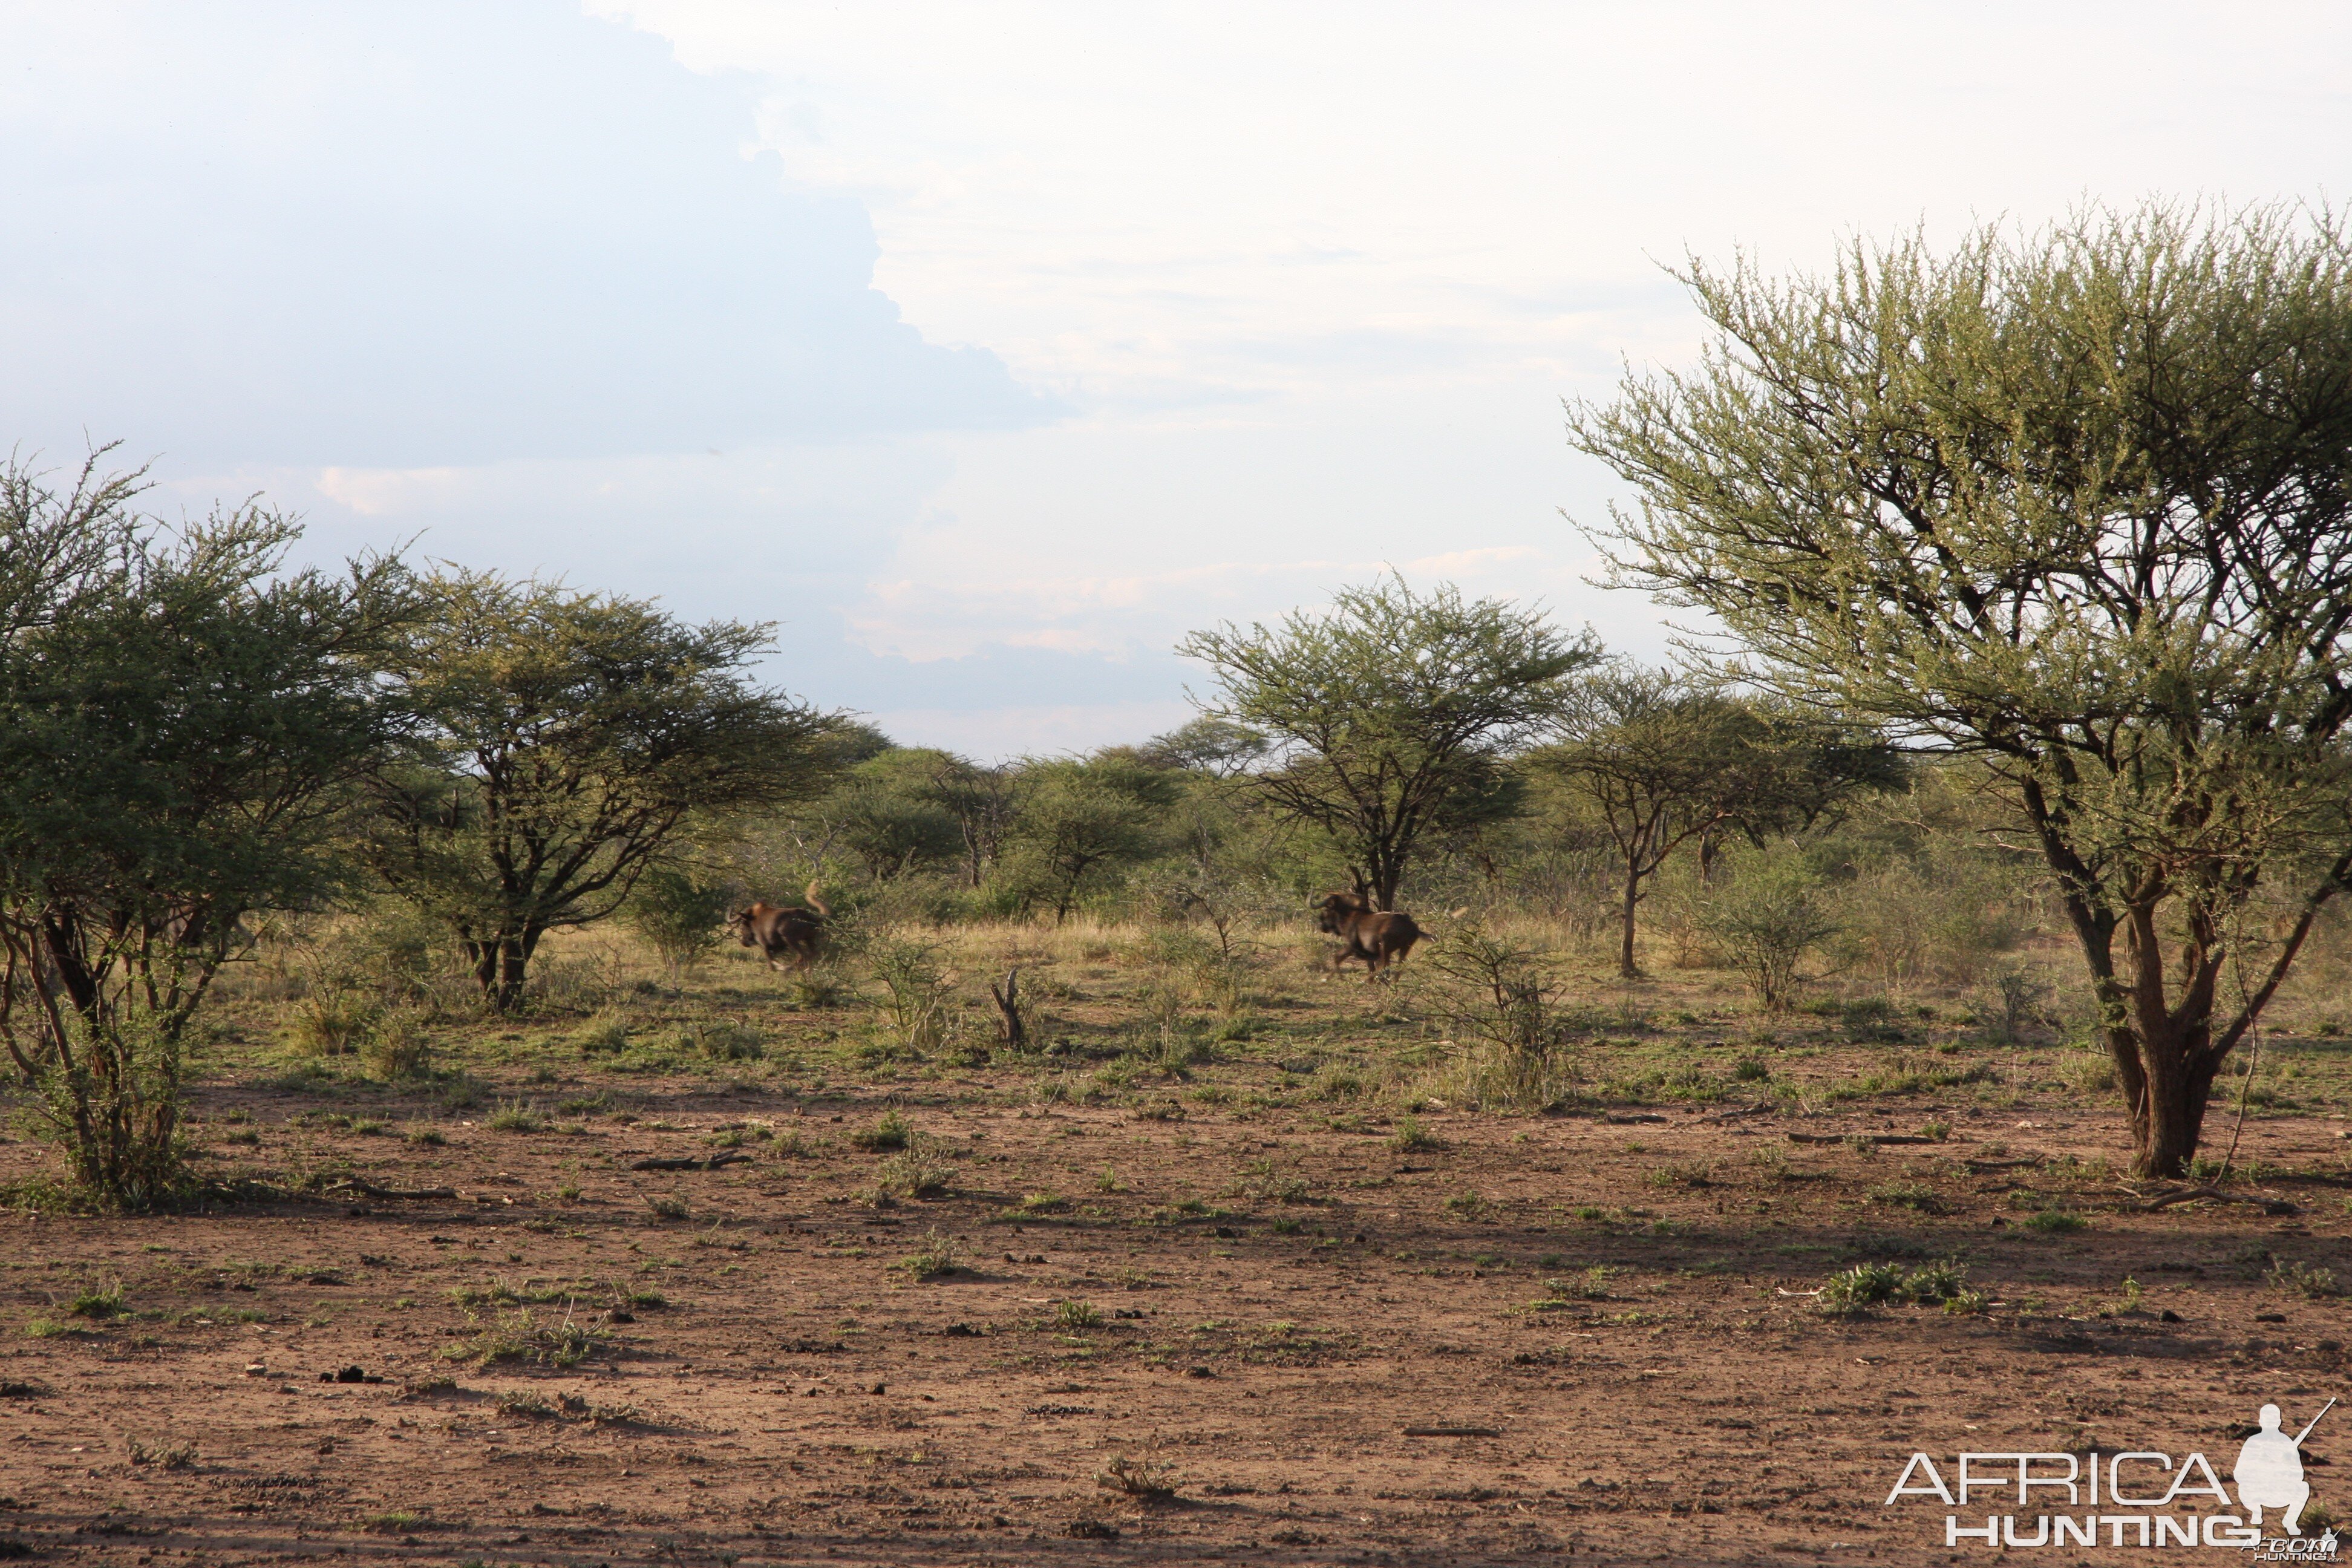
(2056, 1222)
(1860, 1288)
(331, 1020)
(521, 1336)
(723, 1042)
(604, 1034)
(1915, 1195)
(1767, 921)
(108, 1095)
(1938, 1283)
(2086, 1073)
(1411, 1137)
(97, 1300)
(395, 1049)
(890, 1133)
(922, 1170)
(516, 1116)
(165, 1456)
(2309, 1279)
(678, 915)
(915, 992)
(937, 1256)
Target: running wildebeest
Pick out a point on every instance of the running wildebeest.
(784, 931)
(1378, 937)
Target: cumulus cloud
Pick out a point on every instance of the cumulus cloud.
(430, 234)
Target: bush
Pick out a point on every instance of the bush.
(516, 1116)
(916, 994)
(605, 1034)
(1766, 920)
(396, 1050)
(1412, 1138)
(110, 1098)
(680, 916)
(331, 1020)
(1860, 1288)
(938, 1255)
(2309, 1279)
(890, 1133)
(922, 1170)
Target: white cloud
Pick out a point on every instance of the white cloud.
(1099, 323)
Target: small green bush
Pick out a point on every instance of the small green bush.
(516, 1116)
(890, 1133)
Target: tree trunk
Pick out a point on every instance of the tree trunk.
(514, 960)
(1626, 968)
(2168, 1105)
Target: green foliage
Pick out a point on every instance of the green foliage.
(179, 722)
(678, 914)
(1853, 1292)
(886, 1135)
(568, 738)
(1767, 919)
(918, 996)
(1082, 824)
(920, 1170)
(2308, 1279)
(893, 812)
(1410, 1137)
(938, 1255)
(1387, 717)
(1660, 760)
(2072, 503)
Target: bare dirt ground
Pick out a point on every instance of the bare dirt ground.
(1255, 1299)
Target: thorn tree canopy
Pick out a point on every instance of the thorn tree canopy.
(182, 725)
(567, 737)
(2079, 503)
(1389, 714)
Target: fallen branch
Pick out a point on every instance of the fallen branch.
(1863, 1137)
(691, 1162)
(2190, 1194)
(369, 1189)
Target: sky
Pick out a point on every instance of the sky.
(987, 348)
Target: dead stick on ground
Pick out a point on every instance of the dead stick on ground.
(370, 1189)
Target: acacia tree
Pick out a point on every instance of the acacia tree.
(181, 722)
(567, 737)
(1660, 762)
(1081, 820)
(2081, 504)
(1388, 716)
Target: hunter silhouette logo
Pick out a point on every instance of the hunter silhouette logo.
(2269, 1472)
(2136, 1498)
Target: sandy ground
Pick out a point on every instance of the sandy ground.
(1257, 1312)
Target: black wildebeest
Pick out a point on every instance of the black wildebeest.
(1378, 937)
(784, 931)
